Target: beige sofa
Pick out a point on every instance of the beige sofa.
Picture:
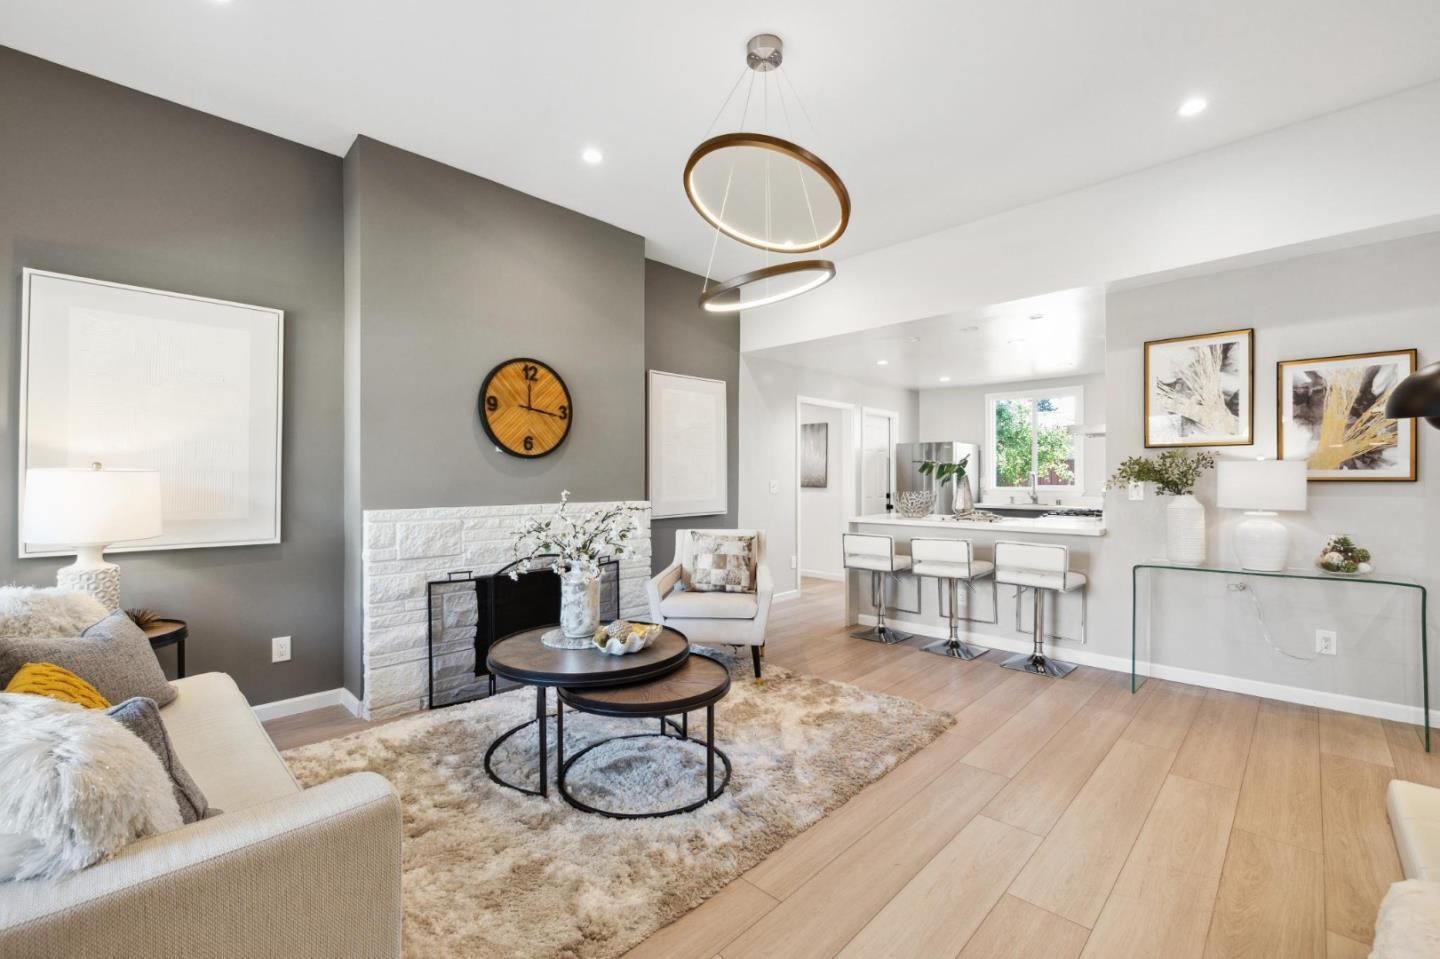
(281, 872)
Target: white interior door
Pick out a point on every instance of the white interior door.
(877, 447)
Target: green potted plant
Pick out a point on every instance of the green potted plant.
(1175, 473)
(943, 473)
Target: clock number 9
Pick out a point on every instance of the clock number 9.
(531, 372)
(492, 404)
(564, 412)
(529, 443)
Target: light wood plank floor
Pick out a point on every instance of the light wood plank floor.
(1059, 819)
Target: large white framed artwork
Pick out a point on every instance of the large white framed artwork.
(146, 379)
(687, 450)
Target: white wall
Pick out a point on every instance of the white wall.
(823, 512)
(1364, 168)
(1379, 297)
(958, 413)
(768, 395)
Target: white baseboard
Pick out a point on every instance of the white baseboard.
(782, 596)
(310, 701)
(835, 576)
(1071, 653)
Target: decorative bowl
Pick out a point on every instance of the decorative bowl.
(622, 636)
(916, 504)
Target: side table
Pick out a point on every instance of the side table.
(169, 632)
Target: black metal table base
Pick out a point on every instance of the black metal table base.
(681, 728)
(712, 790)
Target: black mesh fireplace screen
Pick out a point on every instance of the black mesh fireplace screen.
(466, 614)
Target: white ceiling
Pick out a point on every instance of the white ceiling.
(934, 113)
(1060, 334)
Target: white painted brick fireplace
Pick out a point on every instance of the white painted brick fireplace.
(407, 548)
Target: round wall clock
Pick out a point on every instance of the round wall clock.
(525, 407)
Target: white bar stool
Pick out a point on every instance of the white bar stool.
(865, 551)
(952, 562)
(1038, 567)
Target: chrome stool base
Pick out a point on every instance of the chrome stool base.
(882, 634)
(1039, 665)
(954, 649)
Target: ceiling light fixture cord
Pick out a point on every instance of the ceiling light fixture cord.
(728, 97)
(799, 170)
(729, 176)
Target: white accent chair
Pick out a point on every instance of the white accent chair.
(1038, 567)
(877, 555)
(952, 562)
(719, 619)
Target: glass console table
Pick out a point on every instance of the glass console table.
(1224, 617)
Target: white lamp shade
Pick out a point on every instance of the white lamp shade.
(90, 507)
(1267, 485)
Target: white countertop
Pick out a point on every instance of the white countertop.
(1039, 525)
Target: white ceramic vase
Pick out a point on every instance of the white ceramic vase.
(579, 606)
(1185, 530)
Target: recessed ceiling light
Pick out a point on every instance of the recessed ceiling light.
(592, 155)
(882, 362)
(944, 379)
(1193, 107)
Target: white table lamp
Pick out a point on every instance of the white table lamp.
(1262, 488)
(88, 510)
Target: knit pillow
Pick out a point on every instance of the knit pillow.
(78, 788)
(142, 717)
(720, 563)
(57, 682)
(113, 655)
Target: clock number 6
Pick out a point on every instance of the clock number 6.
(529, 443)
(531, 372)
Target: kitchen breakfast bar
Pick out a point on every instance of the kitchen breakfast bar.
(997, 617)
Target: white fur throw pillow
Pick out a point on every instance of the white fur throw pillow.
(1409, 923)
(30, 613)
(78, 787)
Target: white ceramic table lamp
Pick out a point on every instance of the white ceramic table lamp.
(88, 510)
(1261, 488)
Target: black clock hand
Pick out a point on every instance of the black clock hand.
(546, 412)
(529, 387)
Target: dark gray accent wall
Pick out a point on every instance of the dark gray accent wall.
(101, 181)
(447, 275)
(682, 338)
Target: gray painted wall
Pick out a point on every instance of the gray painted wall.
(682, 338)
(101, 181)
(447, 275)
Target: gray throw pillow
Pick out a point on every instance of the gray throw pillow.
(113, 656)
(142, 717)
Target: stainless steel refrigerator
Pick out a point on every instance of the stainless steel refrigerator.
(909, 456)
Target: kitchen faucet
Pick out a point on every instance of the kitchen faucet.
(1034, 488)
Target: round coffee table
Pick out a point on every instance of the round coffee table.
(522, 658)
(699, 683)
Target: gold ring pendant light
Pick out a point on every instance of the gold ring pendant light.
(767, 192)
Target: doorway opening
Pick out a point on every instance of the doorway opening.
(827, 491)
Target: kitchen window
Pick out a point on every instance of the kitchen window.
(1034, 432)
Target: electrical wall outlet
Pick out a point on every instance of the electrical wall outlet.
(774, 486)
(280, 649)
(1326, 642)
(1137, 491)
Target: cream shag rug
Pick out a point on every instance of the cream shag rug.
(489, 872)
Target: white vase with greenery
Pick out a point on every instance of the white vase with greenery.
(578, 543)
(1174, 473)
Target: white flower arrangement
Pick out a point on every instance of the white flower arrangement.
(580, 542)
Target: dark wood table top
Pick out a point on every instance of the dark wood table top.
(698, 682)
(522, 658)
(163, 632)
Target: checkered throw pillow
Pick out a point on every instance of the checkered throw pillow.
(721, 563)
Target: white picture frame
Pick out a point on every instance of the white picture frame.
(687, 445)
(141, 378)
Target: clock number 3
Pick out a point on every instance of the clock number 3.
(564, 412)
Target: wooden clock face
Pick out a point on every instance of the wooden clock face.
(525, 407)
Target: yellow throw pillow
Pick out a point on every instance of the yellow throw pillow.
(47, 679)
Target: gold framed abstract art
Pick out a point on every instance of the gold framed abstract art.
(1331, 412)
(1199, 390)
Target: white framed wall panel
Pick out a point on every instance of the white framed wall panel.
(148, 379)
(687, 458)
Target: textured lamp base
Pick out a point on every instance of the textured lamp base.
(99, 579)
(1262, 543)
